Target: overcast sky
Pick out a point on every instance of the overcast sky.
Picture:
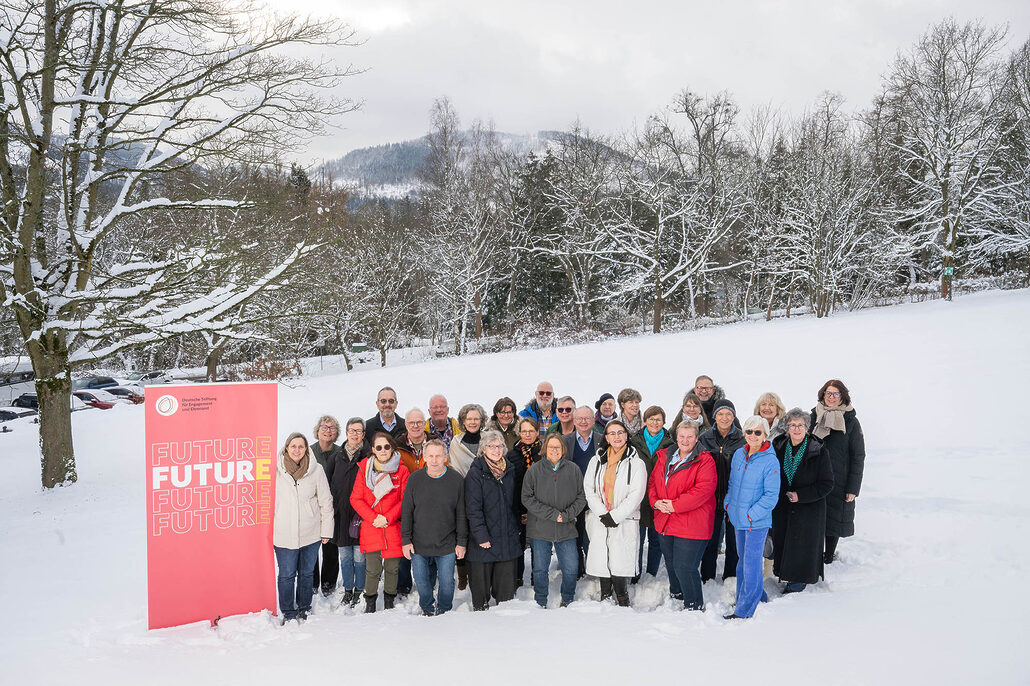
(536, 65)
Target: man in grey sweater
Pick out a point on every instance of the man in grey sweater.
(553, 495)
(434, 530)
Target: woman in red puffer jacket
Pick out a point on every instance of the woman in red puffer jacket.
(682, 493)
(376, 498)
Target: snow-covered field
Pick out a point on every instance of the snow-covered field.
(928, 591)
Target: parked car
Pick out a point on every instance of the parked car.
(148, 378)
(26, 400)
(100, 399)
(134, 394)
(90, 382)
(9, 413)
(30, 401)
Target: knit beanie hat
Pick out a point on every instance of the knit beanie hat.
(720, 404)
(606, 396)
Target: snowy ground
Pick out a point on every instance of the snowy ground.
(926, 593)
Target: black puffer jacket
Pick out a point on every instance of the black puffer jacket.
(491, 507)
(847, 457)
(799, 528)
(722, 449)
(341, 485)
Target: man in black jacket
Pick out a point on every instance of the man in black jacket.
(434, 530)
(386, 421)
(721, 441)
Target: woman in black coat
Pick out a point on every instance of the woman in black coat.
(799, 520)
(835, 424)
(352, 560)
(492, 510)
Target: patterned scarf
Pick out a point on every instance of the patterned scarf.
(378, 476)
(633, 426)
(529, 452)
(792, 459)
(496, 468)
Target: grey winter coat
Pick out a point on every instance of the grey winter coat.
(548, 491)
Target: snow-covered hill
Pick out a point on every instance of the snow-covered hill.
(929, 590)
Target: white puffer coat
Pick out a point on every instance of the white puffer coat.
(303, 508)
(613, 552)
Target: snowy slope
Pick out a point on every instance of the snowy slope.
(927, 592)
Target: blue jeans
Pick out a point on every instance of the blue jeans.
(654, 551)
(568, 563)
(296, 574)
(750, 591)
(682, 559)
(426, 571)
(352, 567)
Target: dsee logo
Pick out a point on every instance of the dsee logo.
(167, 405)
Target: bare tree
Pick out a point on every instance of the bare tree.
(950, 87)
(145, 89)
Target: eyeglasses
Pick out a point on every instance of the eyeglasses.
(387, 401)
(377, 448)
(704, 388)
(493, 446)
(527, 432)
(547, 393)
(796, 427)
(327, 427)
(563, 410)
(507, 411)
(615, 433)
(754, 432)
(832, 394)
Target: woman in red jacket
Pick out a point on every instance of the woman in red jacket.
(682, 493)
(376, 498)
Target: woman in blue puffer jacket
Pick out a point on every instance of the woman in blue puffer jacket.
(753, 492)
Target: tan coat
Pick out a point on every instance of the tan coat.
(303, 508)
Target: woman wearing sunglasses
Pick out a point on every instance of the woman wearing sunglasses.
(615, 483)
(834, 423)
(753, 491)
(377, 497)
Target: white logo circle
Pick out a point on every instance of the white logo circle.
(166, 405)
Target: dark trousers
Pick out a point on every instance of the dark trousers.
(654, 550)
(712, 551)
(831, 548)
(330, 568)
(682, 558)
(617, 584)
(582, 544)
(404, 577)
(491, 580)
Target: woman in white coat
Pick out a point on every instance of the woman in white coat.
(303, 520)
(614, 482)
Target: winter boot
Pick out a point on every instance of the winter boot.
(621, 590)
(347, 595)
(606, 588)
(388, 599)
(370, 602)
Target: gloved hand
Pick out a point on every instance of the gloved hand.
(607, 520)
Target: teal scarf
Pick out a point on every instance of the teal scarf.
(791, 460)
(653, 441)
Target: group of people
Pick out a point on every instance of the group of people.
(441, 501)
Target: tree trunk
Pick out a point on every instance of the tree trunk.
(772, 296)
(211, 363)
(53, 390)
(790, 299)
(382, 352)
(657, 324)
(479, 315)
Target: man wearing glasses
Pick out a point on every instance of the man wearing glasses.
(542, 407)
(386, 420)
